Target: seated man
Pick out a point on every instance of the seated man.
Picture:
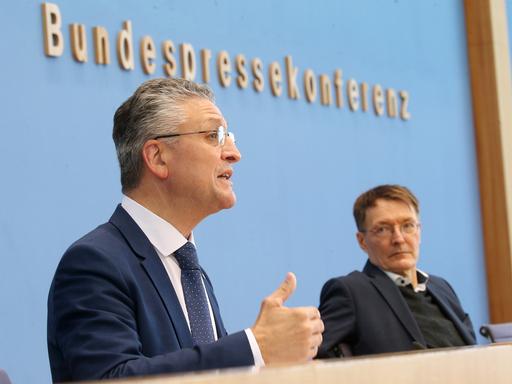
(391, 306)
(129, 298)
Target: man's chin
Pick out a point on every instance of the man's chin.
(228, 201)
(403, 267)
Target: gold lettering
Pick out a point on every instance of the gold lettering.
(274, 75)
(170, 66)
(391, 102)
(291, 78)
(242, 80)
(378, 100)
(188, 61)
(101, 45)
(78, 42)
(224, 68)
(353, 94)
(338, 86)
(325, 90)
(147, 55)
(125, 47)
(52, 22)
(309, 85)
(206, 56)
(404, 113)
(257, 71)
(364, 96)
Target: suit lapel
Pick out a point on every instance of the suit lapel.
(394, 299)
(156, 272)
(437, 294)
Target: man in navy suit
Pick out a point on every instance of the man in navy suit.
(129, 298)
(391, 305)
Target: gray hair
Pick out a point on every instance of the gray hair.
(156, 108)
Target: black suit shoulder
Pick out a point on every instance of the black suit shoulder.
(350, 286)
(102, 253)
(104, 238)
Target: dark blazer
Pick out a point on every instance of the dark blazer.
(367, 311)
(112, 312)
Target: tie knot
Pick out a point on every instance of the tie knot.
(186, 256)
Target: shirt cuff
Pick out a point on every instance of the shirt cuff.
(256, 353)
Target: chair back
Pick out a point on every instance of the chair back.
(497, 333)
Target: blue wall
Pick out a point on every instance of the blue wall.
(303, 164)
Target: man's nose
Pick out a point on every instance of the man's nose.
(397, 236)
(230, 152)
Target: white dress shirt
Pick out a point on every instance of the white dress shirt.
(403, 281)
(166, 239)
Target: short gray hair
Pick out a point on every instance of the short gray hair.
(156, 108)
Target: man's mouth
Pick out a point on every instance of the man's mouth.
(400, 252)
(226, 175)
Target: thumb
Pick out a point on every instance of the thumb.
(285, 290)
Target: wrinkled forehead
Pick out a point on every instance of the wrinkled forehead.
(203, 114)
(390, 211)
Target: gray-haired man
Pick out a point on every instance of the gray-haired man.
(129, 297)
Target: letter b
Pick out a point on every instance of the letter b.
(53, 39)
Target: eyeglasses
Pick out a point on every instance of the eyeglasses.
(386, 231)
(217, 136)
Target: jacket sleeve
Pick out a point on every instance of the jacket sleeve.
(93, 331)
(338, 314)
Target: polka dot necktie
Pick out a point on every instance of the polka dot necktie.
(195, 295)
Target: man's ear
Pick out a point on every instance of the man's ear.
(362, 241)
(155, 159)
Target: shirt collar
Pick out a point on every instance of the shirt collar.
(403, 281)
(161, 234)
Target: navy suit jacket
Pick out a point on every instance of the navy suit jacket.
(367, 311)
(112, 312)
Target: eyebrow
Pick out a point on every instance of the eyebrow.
(392, 222)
